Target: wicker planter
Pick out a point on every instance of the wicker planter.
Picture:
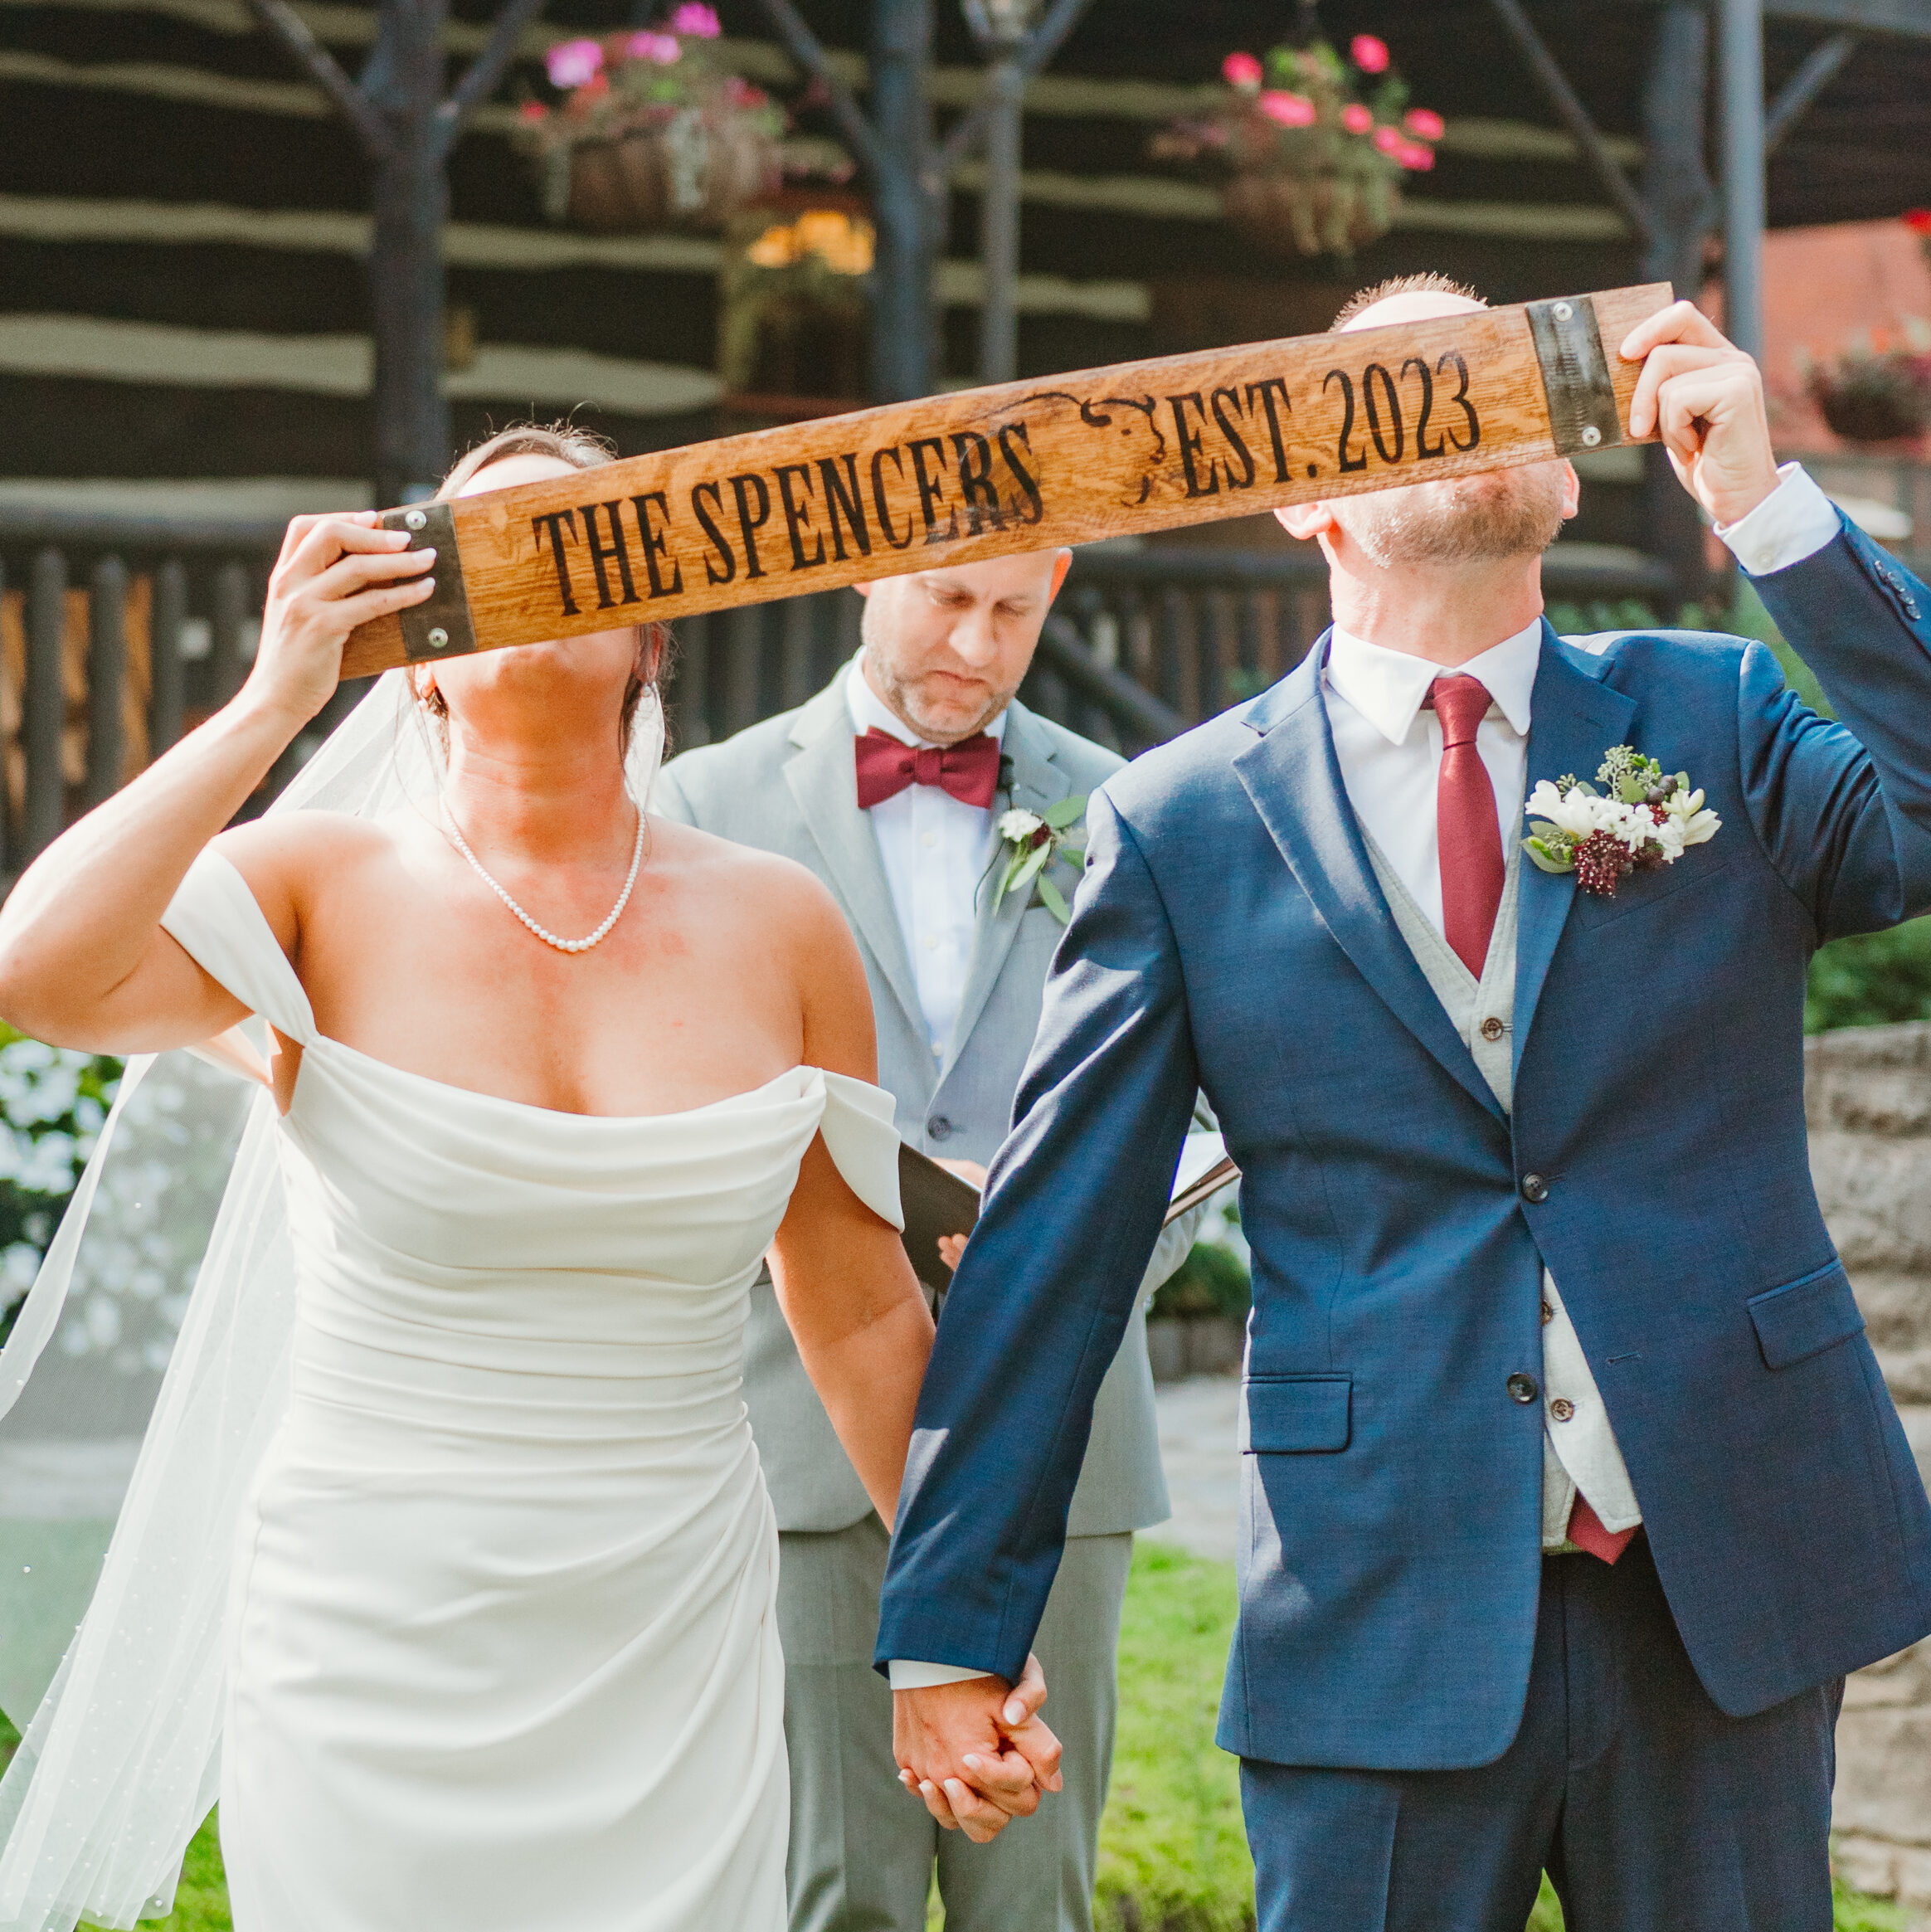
(1874, 415)
(687, 174)
(1318, 214)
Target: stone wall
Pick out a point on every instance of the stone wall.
(1869, 1100)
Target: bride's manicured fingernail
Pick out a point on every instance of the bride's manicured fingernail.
(1015, 1713)
(972, 1761)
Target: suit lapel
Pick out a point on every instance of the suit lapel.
(1294, 780)
(1037, 783)
(1574, 719)
(824, 780)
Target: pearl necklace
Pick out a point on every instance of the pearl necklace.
(543, 932)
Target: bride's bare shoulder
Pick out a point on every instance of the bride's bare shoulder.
(780, 901)
(284, 855)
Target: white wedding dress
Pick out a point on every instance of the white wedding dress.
(501, 1648)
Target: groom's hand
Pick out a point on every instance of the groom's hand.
(1704, 398)
(977, 1751)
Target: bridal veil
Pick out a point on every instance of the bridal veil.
(145, 1374)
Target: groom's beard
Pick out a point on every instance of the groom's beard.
(1464, 520)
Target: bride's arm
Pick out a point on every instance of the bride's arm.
(84, 962)
(843, 1280)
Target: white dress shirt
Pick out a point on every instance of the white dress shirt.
(934, 849)
(1389, 751)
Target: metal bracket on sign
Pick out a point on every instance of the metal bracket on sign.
(1575, 376)
(440, 627)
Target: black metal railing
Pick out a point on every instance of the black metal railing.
(118, 633)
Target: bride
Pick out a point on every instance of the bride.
(552, 1075)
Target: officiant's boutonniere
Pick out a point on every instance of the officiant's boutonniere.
(1032, 841)
(1647, 819)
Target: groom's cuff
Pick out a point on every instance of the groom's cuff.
(917, 1676)
(1795, 521)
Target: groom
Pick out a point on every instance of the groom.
(904, 837)
(1572, 1490)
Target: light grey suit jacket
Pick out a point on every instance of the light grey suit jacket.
(788, 785)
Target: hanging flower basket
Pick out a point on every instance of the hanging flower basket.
(1311, 149)
(795, 298)
(650, 135)
(1879, 396)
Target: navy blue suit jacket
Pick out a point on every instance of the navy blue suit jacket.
(1229, 934)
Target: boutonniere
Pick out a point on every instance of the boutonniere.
(1646, 819)
(1032, 841)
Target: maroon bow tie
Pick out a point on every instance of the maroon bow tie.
(969, 770)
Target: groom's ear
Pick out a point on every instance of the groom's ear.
(1305, 521)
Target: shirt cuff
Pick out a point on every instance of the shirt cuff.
(1795, 521)
(917, 1676)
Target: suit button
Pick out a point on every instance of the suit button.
(1491, 1028)
(1534, 1189)
(1562, 1409)
(939, 1127)
(1522, 1388)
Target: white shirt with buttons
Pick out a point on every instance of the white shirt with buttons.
(934, 849)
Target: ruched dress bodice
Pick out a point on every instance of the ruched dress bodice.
(503, 1645)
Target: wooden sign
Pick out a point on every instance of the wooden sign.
(1023, 466)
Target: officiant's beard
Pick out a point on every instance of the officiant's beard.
(1463, 519)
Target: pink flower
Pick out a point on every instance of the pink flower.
(572, 63)
(1241, 71)
(1368, 54)
(1425, 124)
(1291, 110)
(660, 47)
(1356, 118)
(1388, 140)
(696, 19)
(532, 111)
(1414, 155)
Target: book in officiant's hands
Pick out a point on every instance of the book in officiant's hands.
(937, 1202)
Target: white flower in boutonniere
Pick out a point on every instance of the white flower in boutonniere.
(1647, 819)
(1032, 841)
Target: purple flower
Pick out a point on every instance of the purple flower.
(570, 63)
(660, 47)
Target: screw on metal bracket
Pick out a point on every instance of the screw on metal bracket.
(1575, 376)
(439, 626)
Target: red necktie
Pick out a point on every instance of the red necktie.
(1586, 1532)
(1470, 840)
(969, 770)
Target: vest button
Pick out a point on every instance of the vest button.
(1534, 1189)
(1491, 1028)
(939, 1127)
(1522, 1388)
(1562, 1409)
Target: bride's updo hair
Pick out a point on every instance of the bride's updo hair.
(581, 449)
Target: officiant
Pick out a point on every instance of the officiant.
(891, 784)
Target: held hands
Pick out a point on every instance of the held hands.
(1704, 398)
(334, 573)
(977, 1751)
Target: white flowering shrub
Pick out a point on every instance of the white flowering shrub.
(53, 1101)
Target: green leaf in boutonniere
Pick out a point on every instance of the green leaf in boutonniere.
(1031, 842)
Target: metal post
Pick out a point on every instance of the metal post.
(903, 330)
(410, 200)
(1680, 202)
(1741, 42)
(999, 218)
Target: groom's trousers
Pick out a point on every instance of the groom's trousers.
(862, 1849)
(1650, 1809)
